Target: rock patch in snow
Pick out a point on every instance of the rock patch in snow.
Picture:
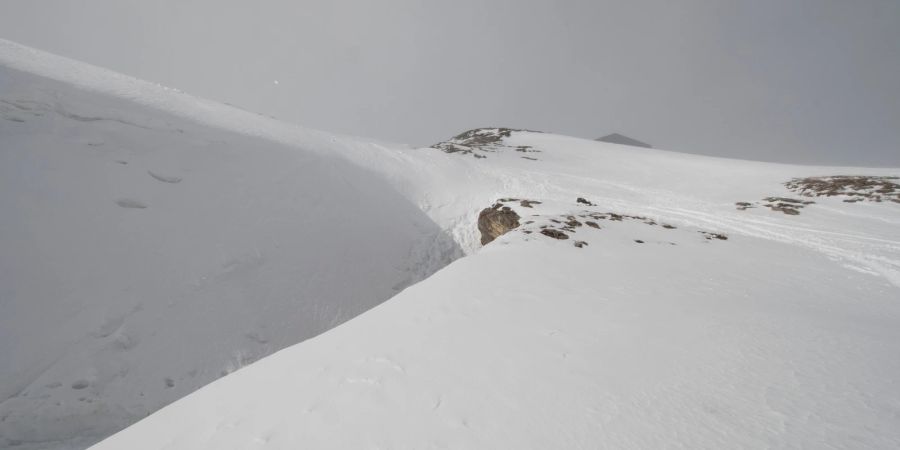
(483, 140)
(855, 188)
(496, 221)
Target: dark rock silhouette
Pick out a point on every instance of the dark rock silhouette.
(617, 138)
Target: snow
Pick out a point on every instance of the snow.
(174, 239)
(143, 255)
(616, 345)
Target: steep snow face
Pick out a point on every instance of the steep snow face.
(143, 254)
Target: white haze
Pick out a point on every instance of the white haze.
(800, 81)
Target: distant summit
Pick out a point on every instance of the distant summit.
(617, 138)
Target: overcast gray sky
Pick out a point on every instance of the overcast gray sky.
(810, 81)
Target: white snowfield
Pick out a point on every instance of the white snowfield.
(151, 241)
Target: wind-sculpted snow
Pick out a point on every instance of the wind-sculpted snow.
(143, 255)
(154, 242)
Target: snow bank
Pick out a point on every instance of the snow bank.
(144, 254)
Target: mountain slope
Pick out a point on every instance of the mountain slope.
(646, 299)
(671, 314)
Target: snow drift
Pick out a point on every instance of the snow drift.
(144, 254)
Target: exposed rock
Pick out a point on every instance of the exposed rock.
(572, 222)
(555, 234)
(580, 244)
(789, 206)
(617, 138)
(583, 201)
(788, 200)
(785, 209)
(592, 224)
(496, 221)
(857, 187)
(481, 140)
(786, 205)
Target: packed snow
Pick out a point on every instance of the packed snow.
(155, 242)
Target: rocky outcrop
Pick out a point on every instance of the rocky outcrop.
(480, 141)
(496, 221)
(854, 188)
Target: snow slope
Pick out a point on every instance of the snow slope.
(653, 333)
(145, 253)
(784, 335)
(538, 344)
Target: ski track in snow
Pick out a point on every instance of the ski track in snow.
(880, 255)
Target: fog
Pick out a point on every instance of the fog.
(795, 81)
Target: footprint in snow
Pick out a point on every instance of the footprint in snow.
(164, 178)
(130, 203)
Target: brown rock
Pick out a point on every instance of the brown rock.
(496, 221)
(555, 234)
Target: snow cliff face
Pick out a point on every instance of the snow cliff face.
(144, 254)
(640, 299)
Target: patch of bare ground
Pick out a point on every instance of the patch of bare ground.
(789, 206)
(554, 233)
(710, 235)
(525, 203)
(502, 218)
(565, 225)
(483, 140)
(855, 188)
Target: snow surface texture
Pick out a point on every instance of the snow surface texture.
(654, 332)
